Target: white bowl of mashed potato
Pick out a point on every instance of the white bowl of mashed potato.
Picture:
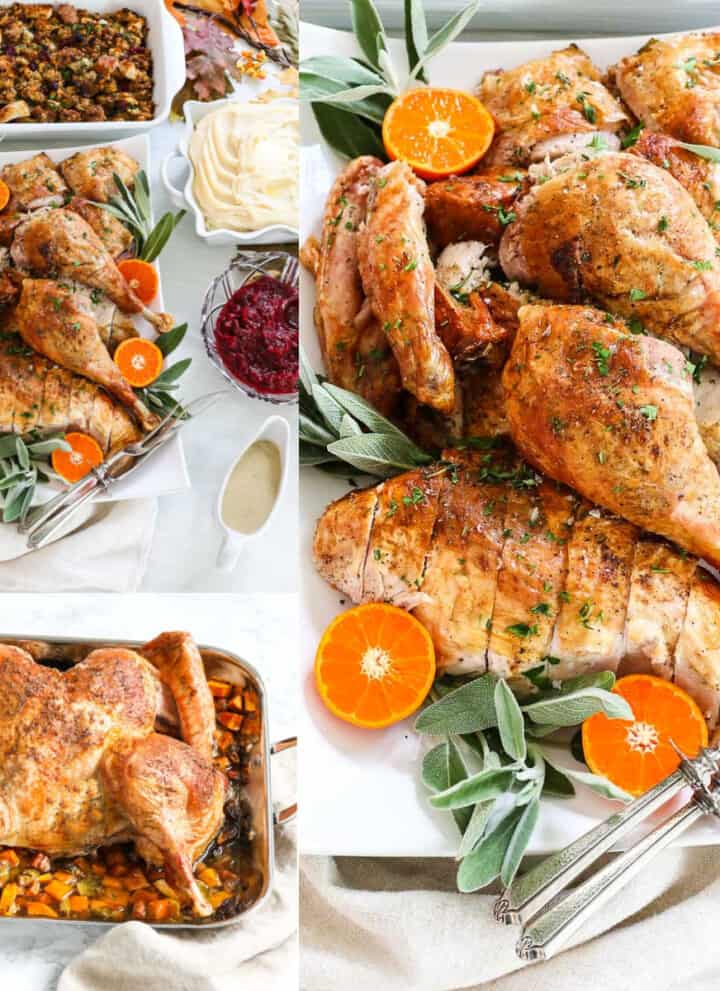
(243, 164)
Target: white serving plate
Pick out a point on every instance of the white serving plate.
(368, 800)
(166, 44)
(166, 470)
(194, 112)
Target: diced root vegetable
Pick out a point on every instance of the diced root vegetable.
(10, 856)
(219, 689)
(37, 908)
(231, 720)
(78, 904)
(57, 890)
(210, 877)
(7, 899)
(161, 910)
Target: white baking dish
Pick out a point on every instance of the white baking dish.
(184, 197)
(166, 44)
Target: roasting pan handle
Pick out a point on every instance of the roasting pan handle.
(287, 814)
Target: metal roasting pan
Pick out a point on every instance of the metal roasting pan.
(226, 666)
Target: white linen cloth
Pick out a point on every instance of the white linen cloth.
(107, 551)
(400, 925)
(259, 954)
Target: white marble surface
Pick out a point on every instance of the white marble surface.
(260, 628)
(187, 536)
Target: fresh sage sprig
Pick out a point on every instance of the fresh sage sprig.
(340, 429)
(158, 395)
(350, 96)
(491, 772)
(133, 208)
(703, 151)
(25, 461)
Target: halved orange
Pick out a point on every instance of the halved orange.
(4, 194)
(438, 132)
(375, 665)
(142, 277)
(139, 360)
(637, 754)
(73, 465)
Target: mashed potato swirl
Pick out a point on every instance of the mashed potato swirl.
(245, 161)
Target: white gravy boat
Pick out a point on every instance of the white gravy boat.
(276, 430)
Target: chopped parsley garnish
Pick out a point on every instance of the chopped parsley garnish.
(632, 136)
(411, 266)
(522, 630)
(702, 266)
(663, 224)
(636, 295)
(649, 412)
(541, 609)
(602, 357)
(589, 112)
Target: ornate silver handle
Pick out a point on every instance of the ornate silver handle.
(551, 930)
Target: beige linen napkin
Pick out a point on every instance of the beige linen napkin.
(400, 925)
(107, 551)
(259, 954)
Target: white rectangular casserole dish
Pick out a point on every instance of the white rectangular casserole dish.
(166, 44)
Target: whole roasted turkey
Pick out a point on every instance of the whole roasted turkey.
(81, 763)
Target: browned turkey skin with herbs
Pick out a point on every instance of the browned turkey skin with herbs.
(82, 766)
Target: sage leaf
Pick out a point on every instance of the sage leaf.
(596, 679)
(373, 106)
(308, 378)
(9, 481)
(170, 341)
(347, 135)
(443, 767)
(519, 842)
(368, 29)
(447, 33)
(312, 454)
(171, 374)
(576, 707)
(601, 786)
(484, 864)
(510, 722)
(314, 432)
(23, 455)
(41, 448)
(416, 34)
(464, 710)
(366, 414)
(475, 828)
(557, 784)
(14, 502)
(348, 427)
(477, 788)
(375, 454)
(703, 151)
(7, 446)
(338, 70)
(330, 411)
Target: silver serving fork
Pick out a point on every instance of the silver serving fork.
(552, 917)
(42, 523)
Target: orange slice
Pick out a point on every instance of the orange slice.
(139, 360)
(76, 464)
(637, 754)
(375, 665)
(438, 132)
(142, 278)
(4, 194)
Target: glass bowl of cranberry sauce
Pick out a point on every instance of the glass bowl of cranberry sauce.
(250, 325)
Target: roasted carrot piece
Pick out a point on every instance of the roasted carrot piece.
(57, 890)
(135, 880)
(65, 876)
(161, 910)
(218, 897)
(250, 702)
(237, 702)
(10, 856)
(223, 739)
(231, 720)
(117, 899)
(7, 899)
(210, 877)
(113, 882)
(78, 904)
(219, 689)
(40, 909)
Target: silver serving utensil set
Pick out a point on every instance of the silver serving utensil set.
(550, 912)
(45, 522)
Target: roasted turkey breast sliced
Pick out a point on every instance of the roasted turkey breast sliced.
(516, 575)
